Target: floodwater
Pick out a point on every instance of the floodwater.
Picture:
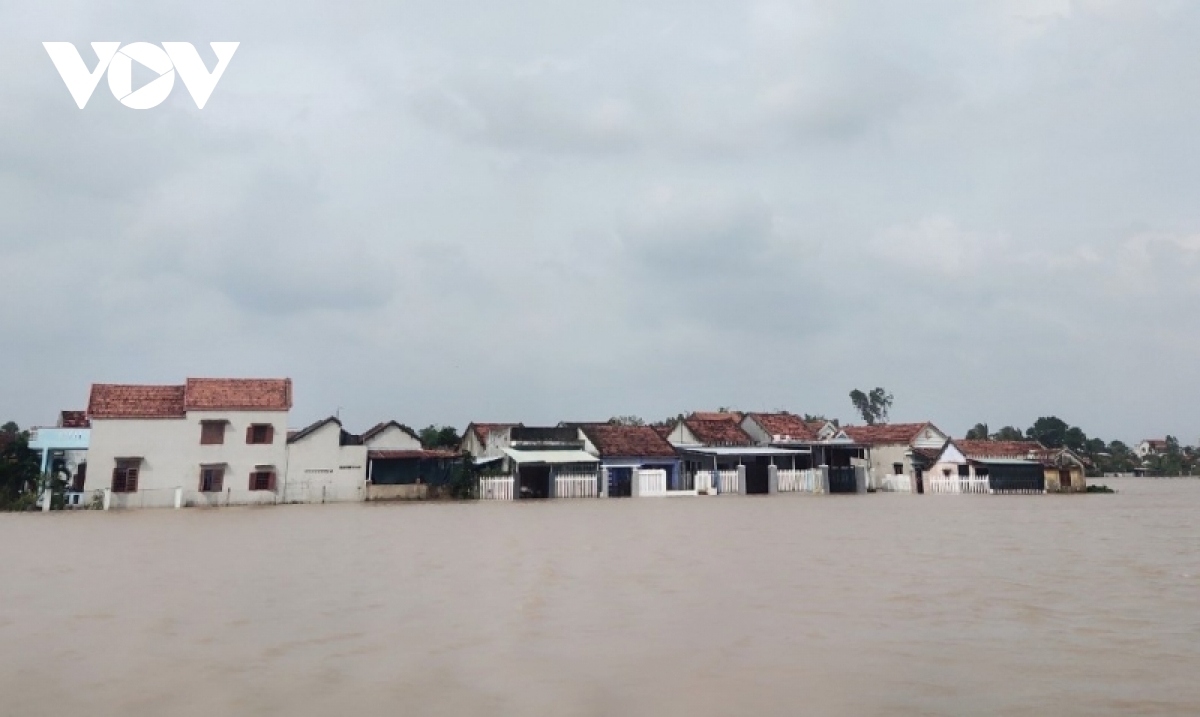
(786, 605)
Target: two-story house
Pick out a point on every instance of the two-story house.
(209, 441)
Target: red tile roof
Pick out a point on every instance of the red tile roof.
(238, 394)
(627, 441)
(736, 416)
(719, 432)
(73, 419)
(779, 425)
(885, 433)
(980, 449)
(663, 429)
(110, 400)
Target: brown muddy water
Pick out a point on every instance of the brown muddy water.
(789, 605)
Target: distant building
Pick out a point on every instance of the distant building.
(64, 450)
(985, 466)
(1151, 447)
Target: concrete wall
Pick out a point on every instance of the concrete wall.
(1054, 484)
(172, 456)
(320, 470)
(397, 492)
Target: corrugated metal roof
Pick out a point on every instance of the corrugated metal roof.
(569, 456)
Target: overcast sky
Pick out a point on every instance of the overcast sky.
(444, 211)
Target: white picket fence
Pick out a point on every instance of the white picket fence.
(957, 485)
(726, 480)
(896, 484)
(651, 483)
(571, 484)
(798, 480)
(496, 488)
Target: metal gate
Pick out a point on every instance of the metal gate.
(842, 479)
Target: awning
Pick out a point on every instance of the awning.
(488, 461)
(129, 459)
(410, 454)
(551, 457)
(745, 451)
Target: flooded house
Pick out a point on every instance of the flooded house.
(208, 441)
(634, 461)
(899, 454)
(999, 467)
(831, 461)
(718, 456)
(530, 462)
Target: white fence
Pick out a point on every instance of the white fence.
(726, 481)
(651, 483)
(896, 484)
(957, 485)
(571, 484)
(798, 480)
(496, 488)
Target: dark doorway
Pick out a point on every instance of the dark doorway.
(534, 482)
(620, 482)
(1064, 478)
(920, 480)
(756, 477)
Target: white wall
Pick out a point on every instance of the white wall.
(172, 456)
(394, 439)
(321, 470)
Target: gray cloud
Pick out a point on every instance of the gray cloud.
(454, 211)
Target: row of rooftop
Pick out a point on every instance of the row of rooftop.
(227, 441)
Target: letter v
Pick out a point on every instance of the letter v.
(80, 83)
(192, 71)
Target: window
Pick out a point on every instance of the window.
(212, 479)
(125, 477)
(262, 480)
(259, 433)
(897, 469)
(964, 471)
(212, 433)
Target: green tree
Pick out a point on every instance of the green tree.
(1050, 431)
(20, 469)
(1075, 439)
(874, 406)
(626, 421)
(1008, 433)
(439, 437)
(978, 433)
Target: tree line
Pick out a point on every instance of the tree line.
(1105, 456)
